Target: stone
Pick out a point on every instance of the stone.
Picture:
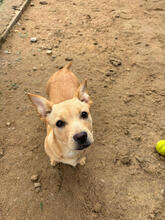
(6, 52)
(126, 161)
(162, 191)
(33, 39)
(34, 68)
(34, 177)
(8, 124)
(1, 152)
(152, 216)
(97, 207)
(115, 62)
(36, 185)
(49, 52)
(43, 3)
(37, 190)
(68, 59)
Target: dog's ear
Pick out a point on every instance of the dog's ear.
(82, 93)
(43, 106)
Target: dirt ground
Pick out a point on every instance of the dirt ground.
(119, 46)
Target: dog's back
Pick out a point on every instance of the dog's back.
(62, 85)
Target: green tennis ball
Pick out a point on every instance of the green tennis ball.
(160, 147)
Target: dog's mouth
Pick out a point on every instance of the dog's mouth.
(83, 146)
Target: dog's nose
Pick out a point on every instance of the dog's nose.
(81, 137)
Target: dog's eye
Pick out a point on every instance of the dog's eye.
(84, 115)
(60, 123)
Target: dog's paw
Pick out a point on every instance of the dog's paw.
(53, 163)
(82, 161)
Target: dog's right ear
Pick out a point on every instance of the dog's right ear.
(43, 106)
(82, 93)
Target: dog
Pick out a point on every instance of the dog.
(67, 117)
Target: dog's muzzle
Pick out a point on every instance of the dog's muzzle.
(81, 140)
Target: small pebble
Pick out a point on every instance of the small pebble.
(152, 216)
(6, 52)
(43, 3)
(115, 62)
(97, 207)
(126, 161)
(8, 124)
(162, 192)
(36, 185)
(38, 189)
(68, 59)
(1, 152)
(34, 68)
(32, 4)
(34, 177)
(33, 39)
(49, 52)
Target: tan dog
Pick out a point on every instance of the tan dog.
(67, 116)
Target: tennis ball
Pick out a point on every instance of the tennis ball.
(160, 147)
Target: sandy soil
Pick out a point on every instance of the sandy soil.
(119, 46)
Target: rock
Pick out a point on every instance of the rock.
(97, 207)
(68, 59)
(115, 62)
(34, 177)
(152, 216)
(126, 161)
(15, 7)
(139, 159)
(126, 132)
(162, 191)
(43, 3)
(8, 124)
(1, 153)
(34, 68)
(6, 52)
(49, 52)
(33, 39)
(36, 185)
(38, 189)
(32, 4)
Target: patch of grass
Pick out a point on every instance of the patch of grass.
(14, 86)
(41, 206)
(23, 35)
(18, 59)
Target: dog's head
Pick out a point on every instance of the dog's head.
(70, 120)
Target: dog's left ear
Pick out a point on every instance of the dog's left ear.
(82, 93)
(43, 106)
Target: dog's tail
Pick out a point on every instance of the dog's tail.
(67, 66)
